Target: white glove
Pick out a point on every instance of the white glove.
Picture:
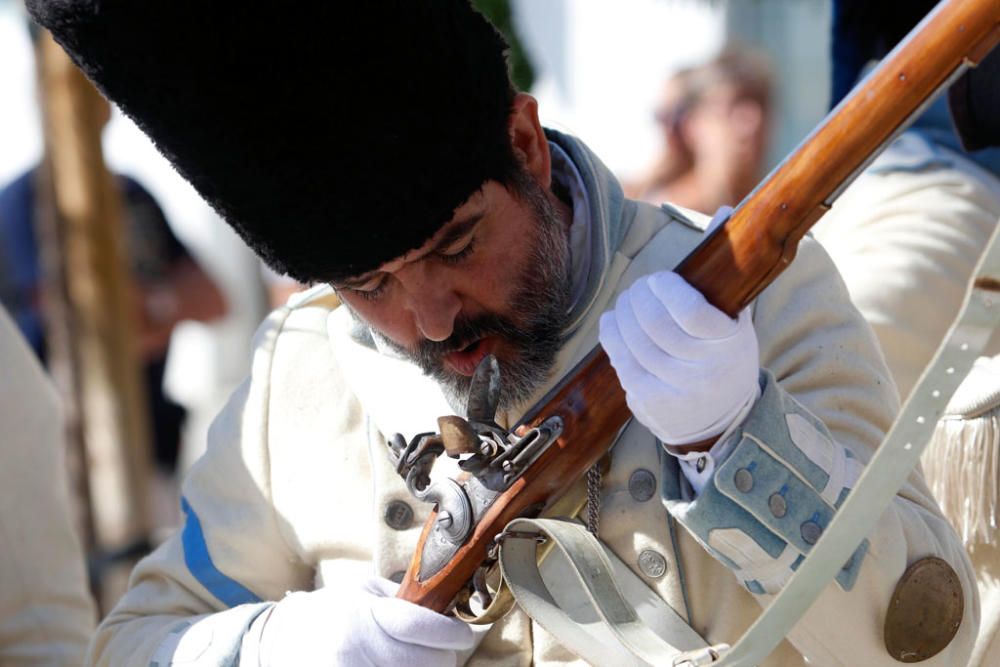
(363, 626)
(687, 368)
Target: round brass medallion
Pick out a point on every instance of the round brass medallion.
(925, 611)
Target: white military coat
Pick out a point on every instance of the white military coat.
(906, 236)
(295, 490)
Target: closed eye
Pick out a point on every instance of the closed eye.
(454, 256)
(372, 289)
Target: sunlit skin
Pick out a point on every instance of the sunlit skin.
(470, 267)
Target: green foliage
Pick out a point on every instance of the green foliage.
(499, 14)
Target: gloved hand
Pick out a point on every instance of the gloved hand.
(687, 368)
(364, 626)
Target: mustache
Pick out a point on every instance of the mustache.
(468, 330)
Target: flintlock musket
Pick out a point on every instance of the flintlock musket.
(523, 471)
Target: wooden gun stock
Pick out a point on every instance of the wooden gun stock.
(733, 264)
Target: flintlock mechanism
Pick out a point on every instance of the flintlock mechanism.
(492, 459)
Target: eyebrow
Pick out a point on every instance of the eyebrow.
(456, 231)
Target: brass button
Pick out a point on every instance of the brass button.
(642, 485)
(811, 532)
(925, 611)
(743, 479)
(776, 503)
(652, 564)
(398, 515)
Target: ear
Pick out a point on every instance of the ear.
(528, 139)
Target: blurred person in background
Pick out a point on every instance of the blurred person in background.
(451, 227)
(714, 120)
(170, 287)
(46, 613)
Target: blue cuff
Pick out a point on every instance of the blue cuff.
(768, 501)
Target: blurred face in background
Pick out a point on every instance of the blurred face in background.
(726, 127)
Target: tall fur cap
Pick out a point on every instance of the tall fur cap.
(331, 139)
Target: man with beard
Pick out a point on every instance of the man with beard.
(451, 225)
(525, 329)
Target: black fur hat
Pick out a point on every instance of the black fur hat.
(332, 136)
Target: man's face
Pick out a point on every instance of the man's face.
(495, 279)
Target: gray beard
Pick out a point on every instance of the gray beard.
(541, 304)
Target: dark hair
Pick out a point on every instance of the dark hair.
(741, 67)
(331, 139)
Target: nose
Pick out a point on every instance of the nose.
(431, 300)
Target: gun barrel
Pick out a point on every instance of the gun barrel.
(743, 256)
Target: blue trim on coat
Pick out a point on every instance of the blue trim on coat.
(783, 469)
(229, 591)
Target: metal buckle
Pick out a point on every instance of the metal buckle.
(701, 656)
(520, 535)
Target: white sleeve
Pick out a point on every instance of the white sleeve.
(827, 400)
(200, 591)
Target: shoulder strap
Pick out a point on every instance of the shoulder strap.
(589, 610)
(889, 468)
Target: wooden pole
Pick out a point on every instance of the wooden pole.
(98, 312)
(59, 358)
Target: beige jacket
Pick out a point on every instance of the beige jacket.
(906, 237)
(46, 613)
(295, 490)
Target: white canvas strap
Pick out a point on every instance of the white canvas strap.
(888, 469)
(583, 596)
(589, 600)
